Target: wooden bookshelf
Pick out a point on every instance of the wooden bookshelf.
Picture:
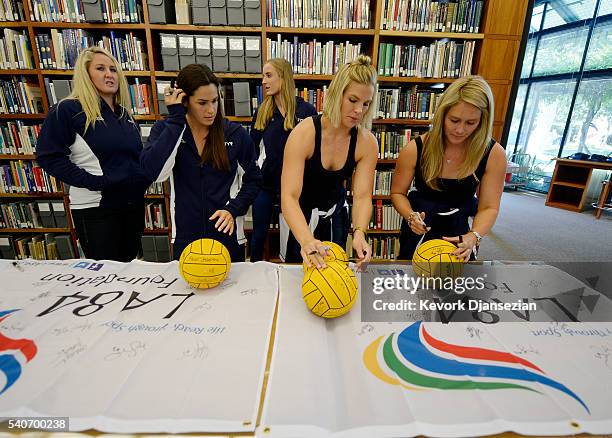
(35, 230)
(495, 56)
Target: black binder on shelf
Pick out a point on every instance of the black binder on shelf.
(236, 54)
(59, 214)
(161, 104)
(203, 51)
(92, 9)
(186, 50)
(148, 248)
(252, 54)
(220, 54)
(199, 12)
(217, 10)
(242, 99)
(162, 247)
(169, 52)
(235, 12)
(46, 214)
(161, 11)
(252, 12)
(7, 251)
(65, 250)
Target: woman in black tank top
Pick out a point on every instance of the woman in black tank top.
(322, 152)
(448, 165)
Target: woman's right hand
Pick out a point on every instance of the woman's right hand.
(313, 253)
(416, 222)
(173, 96)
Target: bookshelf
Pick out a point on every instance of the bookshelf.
(496, 47)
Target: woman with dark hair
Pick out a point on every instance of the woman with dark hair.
(209, 160)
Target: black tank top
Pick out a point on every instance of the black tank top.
(324, 188)
(452, 191)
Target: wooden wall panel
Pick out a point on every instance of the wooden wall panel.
(498, 128)
(500, 96)
(505, 17)
(498, 58)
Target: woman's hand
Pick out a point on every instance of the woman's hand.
(313, 253)
(416, 222)
(465, 245)
(362, 250)
(225, 221)
(173, 96)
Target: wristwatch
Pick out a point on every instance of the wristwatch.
(478, 236)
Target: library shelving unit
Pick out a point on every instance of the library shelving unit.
(495, 52)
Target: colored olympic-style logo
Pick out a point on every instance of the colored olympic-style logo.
(14, 353)
(415, 360)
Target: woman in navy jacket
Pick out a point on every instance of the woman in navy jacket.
(210, 162)
(273, 121)
(90, 141)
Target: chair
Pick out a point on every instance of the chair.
(603, 203)
(518, 168)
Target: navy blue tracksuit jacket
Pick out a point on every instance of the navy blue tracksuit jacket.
(198, 190)
(102, 164)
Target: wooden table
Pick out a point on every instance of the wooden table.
(576, 184)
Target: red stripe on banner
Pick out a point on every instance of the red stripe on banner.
(26, 346)
(475, 352)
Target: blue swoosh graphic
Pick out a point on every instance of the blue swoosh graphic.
(11, 367)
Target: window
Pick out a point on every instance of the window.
(564, 105)
(591, 123)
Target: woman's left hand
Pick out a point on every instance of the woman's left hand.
(465, 245)
(362, 250)
(225, 221)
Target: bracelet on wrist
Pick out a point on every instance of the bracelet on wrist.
(478, 236)
(365, 233)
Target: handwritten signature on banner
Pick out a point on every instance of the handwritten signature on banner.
(128, 351)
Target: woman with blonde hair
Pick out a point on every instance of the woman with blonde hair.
(280, 111)
(90, 141)
(321, 154)
(449, 164)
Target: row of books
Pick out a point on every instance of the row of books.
(382, 182)
(157, 188)
(313, 57)
(39, 214)
(155, 216)
(385, 217)
(432, 15)
(140, 98)
(391, 142)
(327, 14)
(411, 103)
(386, 248)
(60, 48)
(17, 138)
(20, 96)
(11, 10)
(15, 50)
(57, 89)
(441, 59)
(26, 177)
(40, 247)
(73, 11)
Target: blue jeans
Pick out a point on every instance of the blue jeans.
(262, 213)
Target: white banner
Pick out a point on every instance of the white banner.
(131, 347)
(345, 378)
